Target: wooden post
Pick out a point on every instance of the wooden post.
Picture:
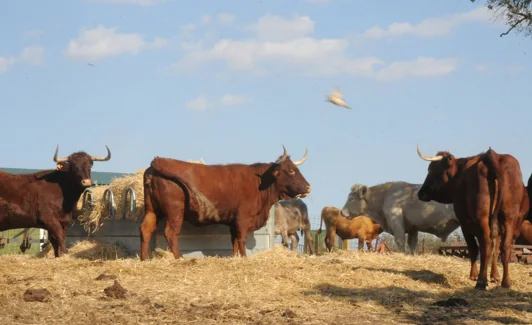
(423, 246)
(346, 244)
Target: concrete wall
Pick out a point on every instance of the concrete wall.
(193, 241)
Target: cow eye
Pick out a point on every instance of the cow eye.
(291, 172)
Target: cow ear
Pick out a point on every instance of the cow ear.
(276, 172)
(363, 191)
(62, 166)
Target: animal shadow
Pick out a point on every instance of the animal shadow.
(429, 307)
(426, 276)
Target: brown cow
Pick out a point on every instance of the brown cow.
(488, 194)
(237, 195)
(47, 198)
(361, 227)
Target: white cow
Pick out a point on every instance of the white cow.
(396, 207)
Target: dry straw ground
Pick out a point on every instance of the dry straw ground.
(273, 287)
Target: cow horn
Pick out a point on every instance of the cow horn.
(299, 162)
(283, 158)
(100, 158)
(59, 160)
(428, 158)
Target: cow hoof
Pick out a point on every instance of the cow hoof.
(473, 278)
(481, 285)
(495, 279)
(506, 284)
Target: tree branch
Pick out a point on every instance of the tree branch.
(514, 25)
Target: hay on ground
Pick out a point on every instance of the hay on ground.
(90, 250)
(274, 287)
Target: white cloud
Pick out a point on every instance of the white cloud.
(101, 42)
(188, 28)
(275, 28)
(143, 3)
(33, 55)
(420, 67)
(6, 63)
(226, 18)
(232, 100)
(199, 104)
(282, 45)
(33, 33)
(431, 27)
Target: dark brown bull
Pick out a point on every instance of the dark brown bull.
(47, 198)
(237, 195)
(526, 227)
(488, 195)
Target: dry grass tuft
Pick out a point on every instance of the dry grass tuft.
(273, 287)
(90, 250)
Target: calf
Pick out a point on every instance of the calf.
(291, 216)
(361, 227)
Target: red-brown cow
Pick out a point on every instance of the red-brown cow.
(46, 199)
(237, 195)
(488, 195)
(526, 227)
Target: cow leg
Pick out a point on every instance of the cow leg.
(234, 240)
(485, 254)
(57, 237)
(171, 232)
(361, 244)
(294, 241)
(284, 238)
(472, 247)
(507, 238)
(412, 241)
(329, 240)
(370, 246)
(494, 277)
(147, 228)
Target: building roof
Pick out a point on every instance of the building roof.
(100, 178)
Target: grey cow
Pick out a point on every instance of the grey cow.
(396, 207)
(291, 216)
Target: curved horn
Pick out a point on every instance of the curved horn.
(283, 158)
(428, 158)
(100, 158)
(59, 160)
(299, 162)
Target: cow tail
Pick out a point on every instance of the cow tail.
(205, 206)
(321, 223)
(492, 162)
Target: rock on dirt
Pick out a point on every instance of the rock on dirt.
(116, 291)
(36, 295)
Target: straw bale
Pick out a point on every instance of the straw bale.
(93, 218)
(273, 287)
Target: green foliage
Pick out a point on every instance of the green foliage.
(517, 14)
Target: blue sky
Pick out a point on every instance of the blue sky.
(232, 81)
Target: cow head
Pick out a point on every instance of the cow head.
(288, 179)
(442, 169)
(356, 203)
(79, 165)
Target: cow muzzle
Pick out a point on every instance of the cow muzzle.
(86, 182)
(423, 196)
(345, 212)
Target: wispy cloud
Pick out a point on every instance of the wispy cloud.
(101, 42)
(201, 102)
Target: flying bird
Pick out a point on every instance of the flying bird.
(336, 98)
